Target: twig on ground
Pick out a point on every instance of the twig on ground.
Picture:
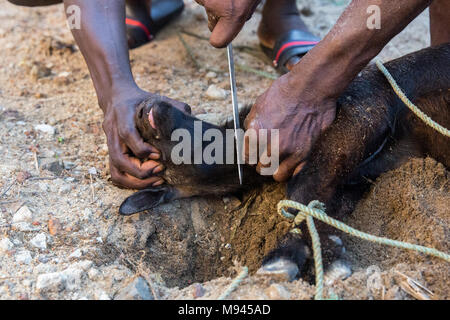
(36, 163)
(192, 34)
(188, 50)
(238, 66)
(8, 187)
(414, 288)
(92, 187)
(42, 178)
(255, 71)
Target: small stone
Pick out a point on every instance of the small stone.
(23, 257)
(92, 171)
(6, 244)
(338, 270)
(24, 227)
(45, 128)
(84, 264)
(93, 274)
(69, 165)
(282, 269)
(22, 176)
(216, 93)
(198, 291)
(39, 241)
(65, 189)
(43, 186)
(102, 295)
(24, 214)
(56, 167)
(76, 254)
(87, 214)
(137, 289)
(50, 282)
(64, 74)
(211, 75)
(73, 277)
(54, 226)
(277, 292)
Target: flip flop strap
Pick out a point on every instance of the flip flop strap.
(140, 25)
(291, 40)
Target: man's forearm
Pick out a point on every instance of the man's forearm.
(351, 44)
(102, 41)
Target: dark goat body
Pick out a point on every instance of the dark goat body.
(373, 132)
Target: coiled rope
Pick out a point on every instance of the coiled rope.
(409, 104)
(316, 210)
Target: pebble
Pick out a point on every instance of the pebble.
(282, 269)
(374, 280)
(338, 270)
(211, 117)
(69, 165)
(102, 295)
(6, 244)
(24, 214)
(65, 189)
(45, 128)
(54, 226)
(25, 227)
(216, 93)
(43, 186)
(83, 265)
(73, 277)
(87, 214)
(94, 274)
(137, 289)
(50, 282)
(198, 291)
(277, 292)
(211, 74)
(39, 241)
(76, 254)
(23, 257)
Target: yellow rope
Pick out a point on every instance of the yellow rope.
(316, 210)
(236, 282)
(409, 104)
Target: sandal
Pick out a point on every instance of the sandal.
(291, 44)
(162, 12)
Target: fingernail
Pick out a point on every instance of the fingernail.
(155, 156)
(158, 169)
(158, 183)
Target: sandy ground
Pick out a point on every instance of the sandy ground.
(60, 233)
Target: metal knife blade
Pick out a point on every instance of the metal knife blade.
(235, 109)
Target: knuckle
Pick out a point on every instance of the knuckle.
(125, 133)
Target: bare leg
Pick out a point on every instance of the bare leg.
(439, 22)
(34, 3)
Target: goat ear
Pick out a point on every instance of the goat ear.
(145, 200)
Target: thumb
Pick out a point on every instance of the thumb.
(225, 31)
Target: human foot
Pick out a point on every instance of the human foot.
(283, 35)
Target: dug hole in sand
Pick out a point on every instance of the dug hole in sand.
(60, 233)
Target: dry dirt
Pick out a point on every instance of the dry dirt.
(72, 244)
